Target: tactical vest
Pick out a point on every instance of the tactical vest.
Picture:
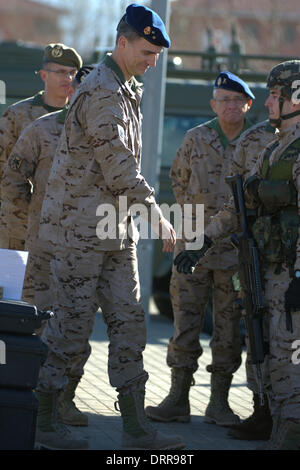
(276, 228)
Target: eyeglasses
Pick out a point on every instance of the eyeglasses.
(63, 73)
(239, 100)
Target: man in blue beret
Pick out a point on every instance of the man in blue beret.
(147, 24)
(228, 81)
(198, 177)
(100, 150)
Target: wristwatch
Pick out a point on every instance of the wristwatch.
(297, 274)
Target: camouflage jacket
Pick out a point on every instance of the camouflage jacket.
(15, 118)
(285, 138)
(25, 176)
(198, 177)
(97, 161)
(250, 145)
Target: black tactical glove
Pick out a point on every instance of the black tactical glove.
(292, 301)
(186, 260)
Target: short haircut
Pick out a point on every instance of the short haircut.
(124, 29)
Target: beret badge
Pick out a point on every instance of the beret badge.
(57, 51)
(147, 30)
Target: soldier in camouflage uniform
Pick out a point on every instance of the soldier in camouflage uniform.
(25, 175)
(273, 187)
(250, 145)
(198, 177)
(97, 161)
(60, 64)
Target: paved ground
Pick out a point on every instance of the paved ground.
(96, 397)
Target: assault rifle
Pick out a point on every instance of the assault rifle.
(249, 273)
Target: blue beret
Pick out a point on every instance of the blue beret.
(148, 24)
(228, 81)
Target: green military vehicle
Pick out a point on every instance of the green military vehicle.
(18, 63)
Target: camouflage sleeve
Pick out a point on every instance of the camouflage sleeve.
(119, 165)
(180, 171)
(250, 202)
(238, 163)
(224, 223)
(257, 166)
(15, 185)
(8, 136)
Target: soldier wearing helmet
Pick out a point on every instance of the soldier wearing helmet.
(282, 78)
(273, 189)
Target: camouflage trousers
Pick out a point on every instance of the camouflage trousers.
(282, 372)
(37, 291)
(189, 295)
(83, 282)
(36, 287)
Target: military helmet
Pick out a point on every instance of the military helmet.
(283, 75)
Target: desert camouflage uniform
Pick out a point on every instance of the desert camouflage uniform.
(28, 166)
(24, 179)
(198, 177)
(14, 120)
(98, 160)
(251, 143)
(282, 375)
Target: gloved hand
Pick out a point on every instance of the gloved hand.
(186, 260)
(292, 295)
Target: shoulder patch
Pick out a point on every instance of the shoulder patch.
(15, 163)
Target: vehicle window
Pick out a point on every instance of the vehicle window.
(175, 128)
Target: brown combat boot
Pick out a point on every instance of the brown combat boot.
(218, 410)
(256, 427)
(138, 433)
(50, 433)
(67, 411)
(175, 406)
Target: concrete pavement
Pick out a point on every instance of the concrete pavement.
(96, 397)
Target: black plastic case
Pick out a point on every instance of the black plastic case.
(24, 356)
(18, 412)
(20, 317)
